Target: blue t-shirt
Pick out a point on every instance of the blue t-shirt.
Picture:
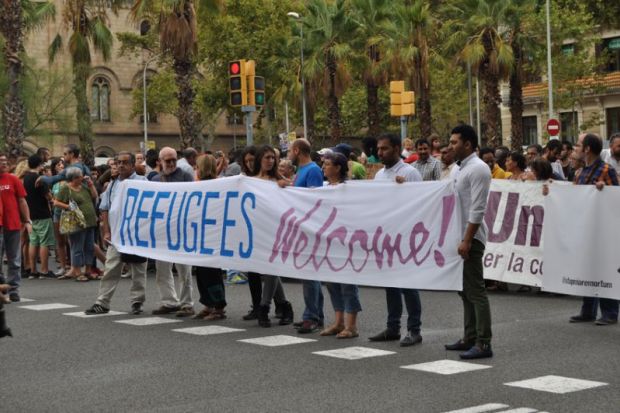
(309, 176)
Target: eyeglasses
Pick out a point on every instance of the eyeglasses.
(173, 160)
(123, 162)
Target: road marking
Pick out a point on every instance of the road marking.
(147, 321)
(354, 353)
(489, 407)
(276, 341)
(44, 307)
(208, 330)
(446, 367)
(81, 314)
(520, 410)
(556, 384)
(26, 300)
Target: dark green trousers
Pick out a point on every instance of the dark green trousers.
(476, 308)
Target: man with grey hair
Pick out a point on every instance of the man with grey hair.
(170, 303)
(188, 161)
(114, 259)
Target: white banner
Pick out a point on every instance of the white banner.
(515, 216)
(581, 232)
(366, 233)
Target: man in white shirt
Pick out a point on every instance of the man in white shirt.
(472, 180)
(612, 155)
(394, 169)
(188, 160)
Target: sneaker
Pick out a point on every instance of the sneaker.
(14, 297)
(298, 324)
(136, 308)
(410, 339)
(48, 276)
(60, 272)
(185, 312)
(32, 276)
(581, 319)
(236, 279)
(308, 326)
(460, 345)
(480, 351)
(251, 315)
(96, 309)
(165, 310)
(605, 321)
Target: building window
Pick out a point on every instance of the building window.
(100, 110)
(611, 50)
(568, 49)
(612, 118)
(145, 27)
(530, 130)
(569, 126)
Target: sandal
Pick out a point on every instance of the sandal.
(348, 333)
(67, 276)
(82, 278)
(203, 313)
(91, 277)
(216, 315)
(332, 330)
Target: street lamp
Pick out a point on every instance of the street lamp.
(297, 17)
(144, 113)
(549, 66)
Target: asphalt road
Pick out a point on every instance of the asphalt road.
(61, 363)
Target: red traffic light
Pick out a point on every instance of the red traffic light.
(235, 68)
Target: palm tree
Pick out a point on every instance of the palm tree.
(178, 38)
(328, 27)
(87, 23)
(477, 33)
(373, 16)
(16, 18)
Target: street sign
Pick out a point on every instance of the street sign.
(151, 144)
(553, 127)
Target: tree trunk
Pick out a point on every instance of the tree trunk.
(423, 88)
(372, 102)
(81, 72)
(14, 111)
(516, 100)
(491, 99)
(333, 110)
(188, 119)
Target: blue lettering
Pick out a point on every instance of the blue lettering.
(194, 225)
(247, 253)
(207, 221)
(142, 214)
(227, 223)
(131, 193)
(155, 215)
(175, 246)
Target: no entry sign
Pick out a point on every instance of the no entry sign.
(553, 127)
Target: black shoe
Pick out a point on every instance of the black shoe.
(460, 345)
(605, 321)
(298, 324)
(251, 315)
(386, 335)
(96, 309)
(411, 339)
(279, 310)
(481, 351)
(31, 276)
(581, 319)
(4, 330)
(14, 297)
(48, 276)
(263, 316)
(287, 314)
(136, 308)
(163, 310)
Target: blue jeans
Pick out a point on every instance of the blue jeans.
(395, 309)
(82, 247)
(345, 297)
(11, 246)
(609, 307)
(313, 298)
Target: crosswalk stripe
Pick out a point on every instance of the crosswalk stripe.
(446, 367)
(489, 407)
(45, 307)
(276, 341)
(556, 384)
(519, 410)
(80, 314)
(26, 300)
(354, 353)
(208, 330)
(147, 321)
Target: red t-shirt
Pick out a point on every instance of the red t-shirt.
(11, 189)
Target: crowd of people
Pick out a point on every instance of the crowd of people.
(41, 193)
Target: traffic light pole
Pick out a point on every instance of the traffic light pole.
(249, 131)
(403, 128)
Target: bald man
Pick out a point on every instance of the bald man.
(170, 303)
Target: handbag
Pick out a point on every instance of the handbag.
(71, 220)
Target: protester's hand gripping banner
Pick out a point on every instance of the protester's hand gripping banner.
(366, 233)
(581, 232)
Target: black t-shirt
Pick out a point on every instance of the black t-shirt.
(36, 197)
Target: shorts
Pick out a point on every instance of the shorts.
(42, 233)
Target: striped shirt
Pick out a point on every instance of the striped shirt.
(598, 171)
(430, 169)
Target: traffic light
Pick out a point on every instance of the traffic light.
(256, 90)
(238, 87)
(401, 100)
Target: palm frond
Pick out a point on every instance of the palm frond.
(54, 48)
(101, 37)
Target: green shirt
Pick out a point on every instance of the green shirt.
(83, 200)
(357, 170)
